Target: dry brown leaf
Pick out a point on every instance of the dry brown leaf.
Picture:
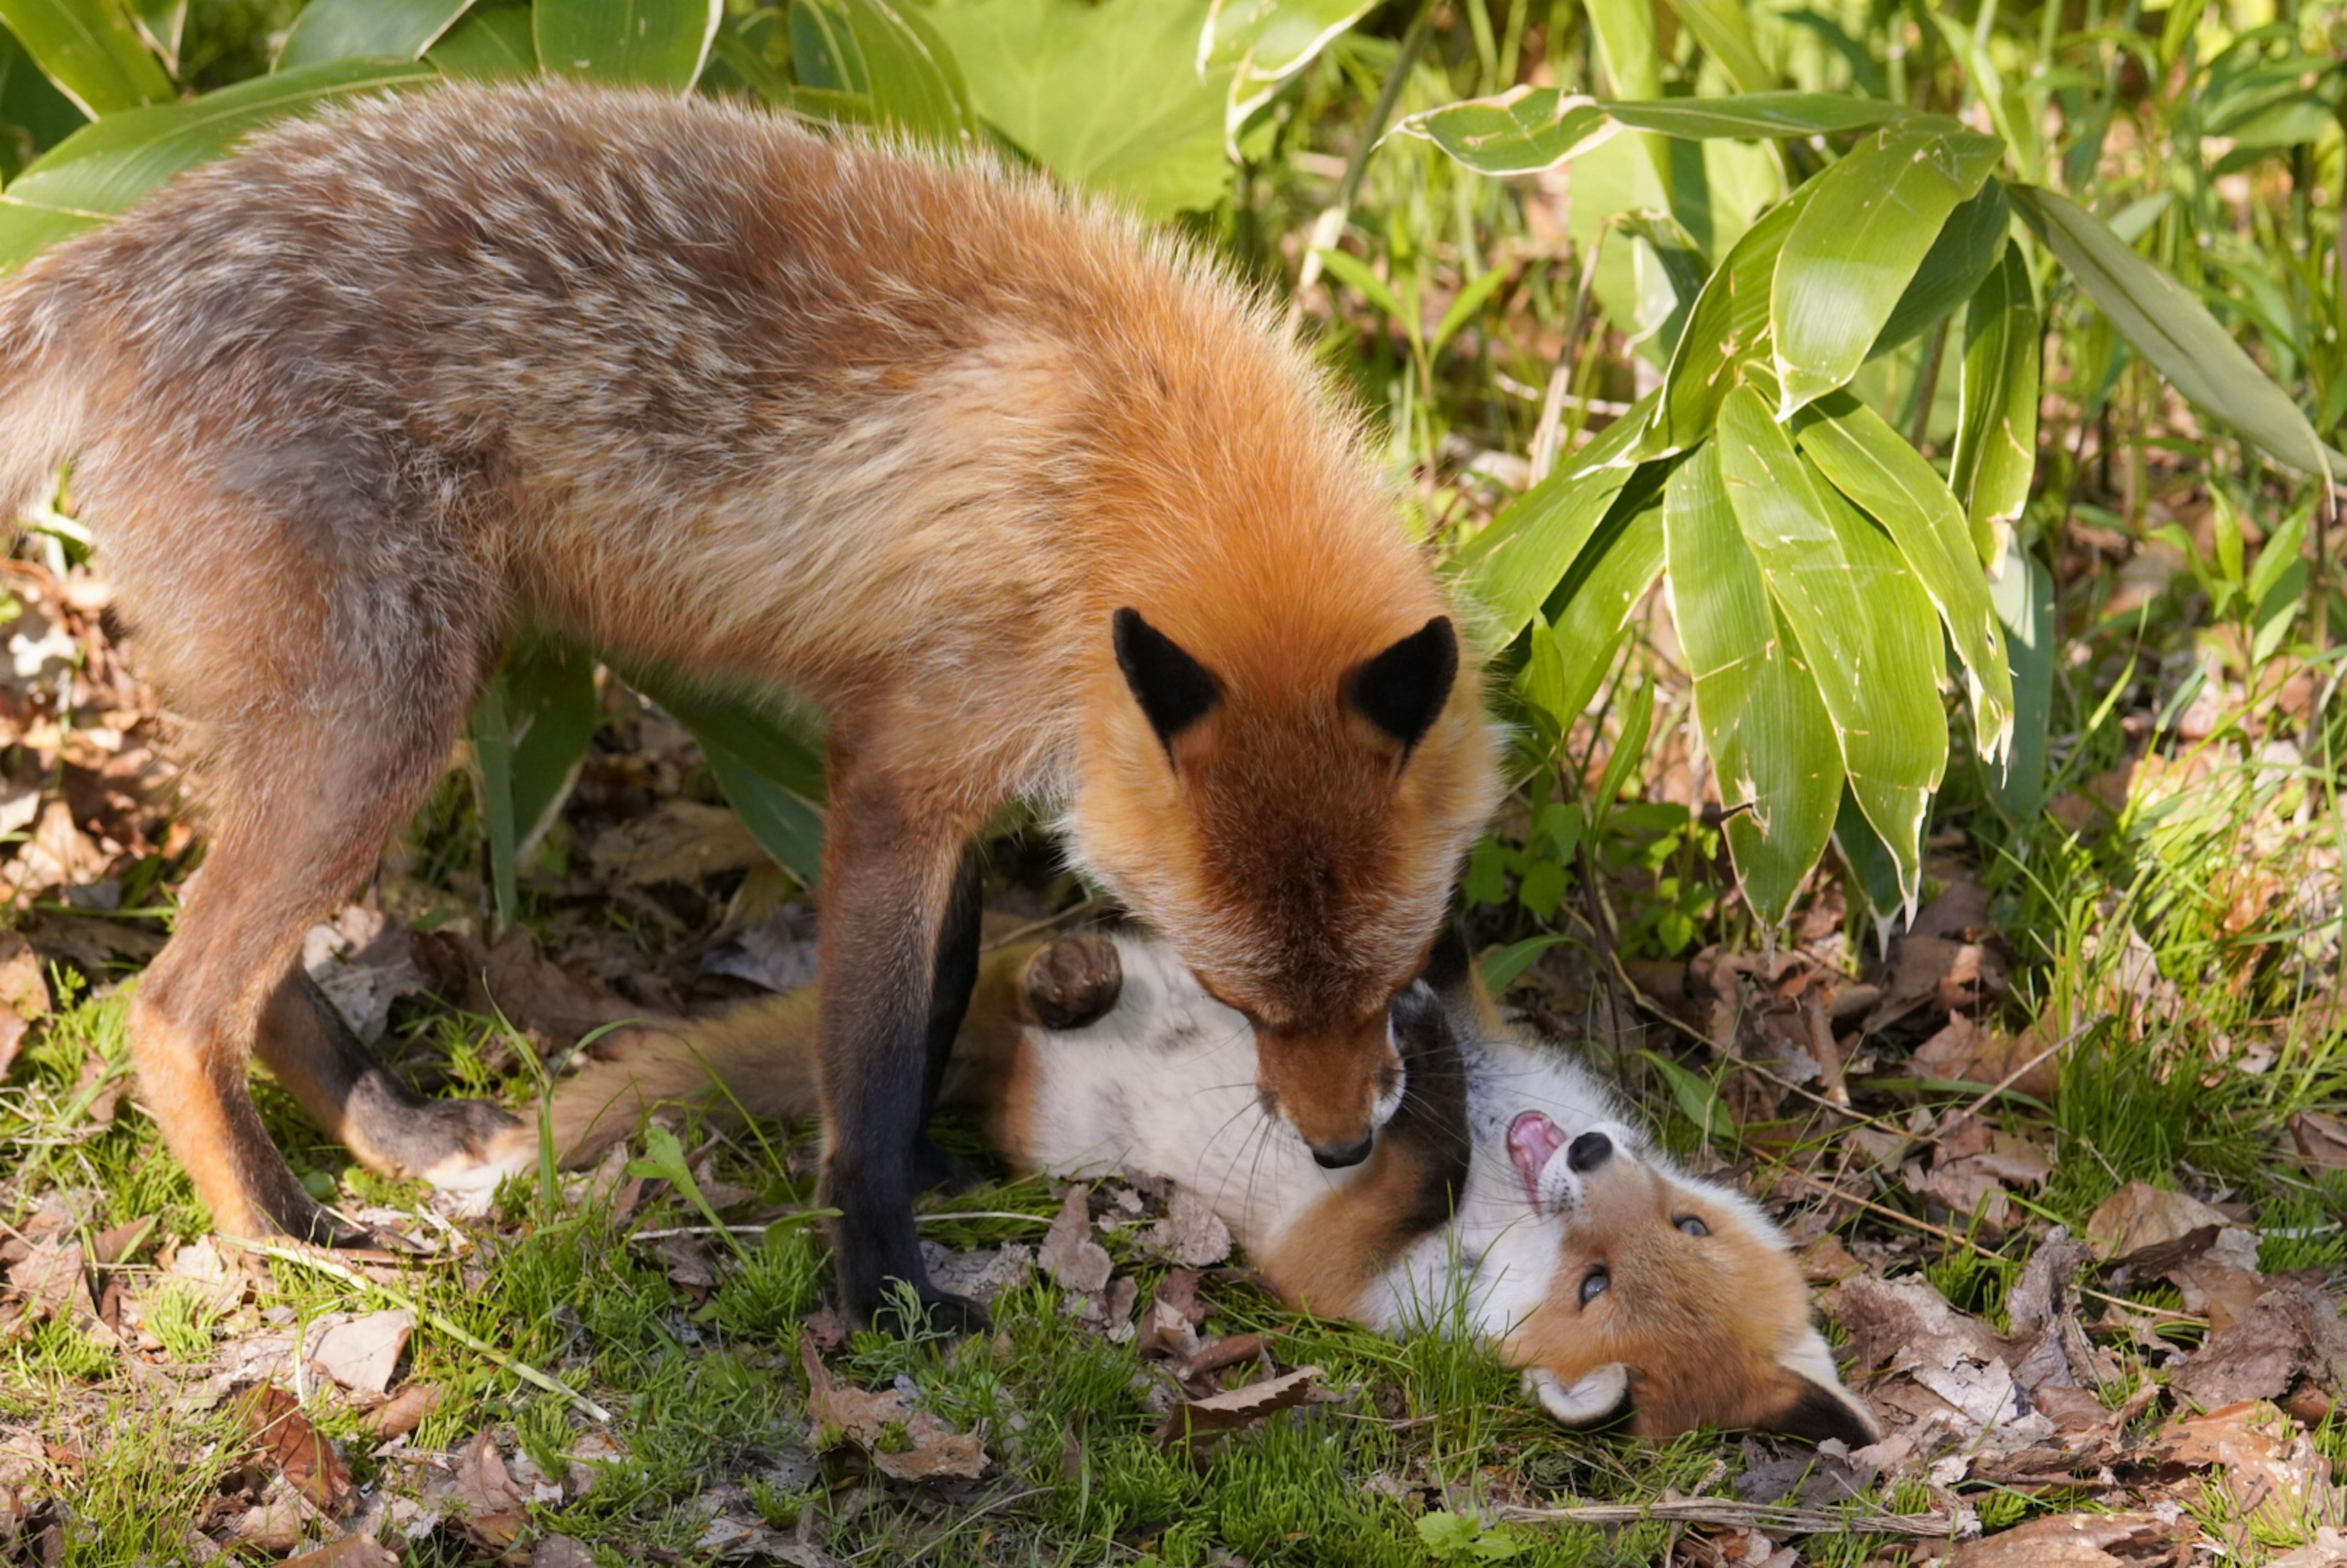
(1192, 1233)
(309, 1463)
(2067, 1540)
(2139, 1215)
(2290, 1333)
(1198, 1424)
(351, 1552)
(902, 1442)
(2327, 1550)
(495, 1508)
(2272, 1469)
(2321, 1139)
(678, 841)
(1074, 1260)
(362, 1353)
(561, 1552)
(689, 1263)
(404, 1411)
(50, 1281)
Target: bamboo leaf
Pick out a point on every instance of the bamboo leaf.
(366, 29)
(1521, 131)
(1771, 744)
(530, 731)
(1966, 251)
(1514, 564)
(1857, 245)
(1725, 341)
(106, 167)
(766, 757)
(1621, 564)
(1870, 862)
(1872, 465)
(902, 63)
(1107, 97)
(91, 50)
(1996, 419)
(1757, 116)
(1865, 632)
(486, 46)
(634, 43)
(2022, 594)
(2173, 331)
(1721, 27)
(1264, 44)
(161, 25)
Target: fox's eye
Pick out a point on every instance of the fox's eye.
(1692, 1226)
(1594, 1282)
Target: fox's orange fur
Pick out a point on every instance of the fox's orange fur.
(1509, 1196)
(706, 390)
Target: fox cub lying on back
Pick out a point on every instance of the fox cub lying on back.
(1509, 1191)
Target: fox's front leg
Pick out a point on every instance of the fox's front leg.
(894, 903)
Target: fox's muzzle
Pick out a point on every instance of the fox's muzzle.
(1336, 1088)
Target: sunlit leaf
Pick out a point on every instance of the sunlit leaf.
(1857, 245)
(487, 44)
(634, 43)
(161, 25)
(1614, 576)
(2173, 331)
(1520, 131)
(1263, 44)
(1866, 631)
(91, 50)
(1514, 564)
(1996, 419)
(767, 758)
(1757, 116)
(1726, 340)
(1107, 97)
(1725, 35)
(892, 55)
(1968, 247)
(2022, 594)
(1871, 465)
(105, 168)
(366, 29)
(1770, 740)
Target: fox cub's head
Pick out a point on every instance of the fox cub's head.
(1672, 1300)
(1290, 808)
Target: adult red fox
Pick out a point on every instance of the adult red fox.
(1509, 1196)
(1028, 502)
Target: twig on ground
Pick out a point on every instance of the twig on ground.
(1726, 1511)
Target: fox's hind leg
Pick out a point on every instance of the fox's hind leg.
(305, 1044)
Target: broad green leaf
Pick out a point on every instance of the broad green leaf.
(1521, 131)
(105, 168)
(1726, 340)
(161, 25)
(2173, 331)
(1870, 860)
(634, 43)
(1628, 53)
(366, 29)
(487, 46)
(1757, 116)
(1501, 968)
(1616, 570)
(1771, 744)
(1870, 464)
(1969, 245)
(31, 103)
(91, 50)
(1867, 633)
(1854, 248)
(1683, 266)
(1996, 420)
(766, 758)
(890, 53)
(1107, 97)
(1264, 44)
(530, 731)
(2022, 594)
(1721, 27)
(1514, 564)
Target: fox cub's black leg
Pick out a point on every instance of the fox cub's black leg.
(951, 981)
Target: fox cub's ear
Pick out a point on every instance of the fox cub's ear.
(1174, 690)
(1402, 690)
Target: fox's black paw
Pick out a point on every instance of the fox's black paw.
(923, 1310)
(942, 1171)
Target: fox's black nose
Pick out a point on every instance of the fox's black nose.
(1588, 1151)
(1348, 1154)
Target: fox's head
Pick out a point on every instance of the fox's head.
(1289, 809)
(1674, 1301)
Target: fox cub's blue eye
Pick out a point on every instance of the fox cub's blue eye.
(1593, 1283)
(1692, 1226)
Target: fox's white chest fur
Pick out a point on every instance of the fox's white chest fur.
(1165, 1082)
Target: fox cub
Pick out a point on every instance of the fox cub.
(1509, 1193)
(1028, 502)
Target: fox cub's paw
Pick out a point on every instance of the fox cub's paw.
(1072, 981)
(456, 1145)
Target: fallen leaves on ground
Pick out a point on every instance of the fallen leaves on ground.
(902, 1440)
(1195, 1425)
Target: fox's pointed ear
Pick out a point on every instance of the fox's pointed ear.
(1589, 1400)
(1450, 970)
(1402, 690)
(1818, 1407)
(1174, 690)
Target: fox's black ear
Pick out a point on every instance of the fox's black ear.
(1449, 968)
(1174, 690)
(1403, 689)
(1818, 1412)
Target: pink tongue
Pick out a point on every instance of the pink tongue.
(1532, 1138)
